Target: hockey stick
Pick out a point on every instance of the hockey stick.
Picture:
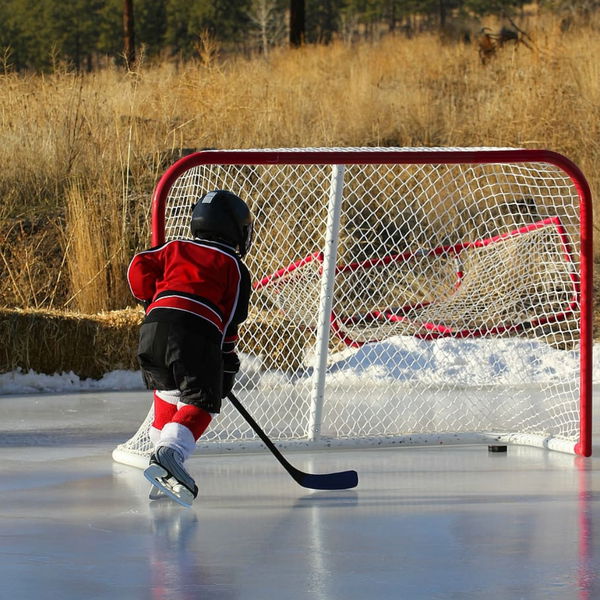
(326, 481)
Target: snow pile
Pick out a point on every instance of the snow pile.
(460, 362)
(19, 382)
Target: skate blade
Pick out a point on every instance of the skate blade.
(156, 475)
(157, 494)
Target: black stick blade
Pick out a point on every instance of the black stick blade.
(343, 480)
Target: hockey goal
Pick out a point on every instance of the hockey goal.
(403, 296)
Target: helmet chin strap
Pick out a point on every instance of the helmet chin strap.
(247, 239)
(241, 245)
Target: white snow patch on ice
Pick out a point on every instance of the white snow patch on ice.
(30, 382)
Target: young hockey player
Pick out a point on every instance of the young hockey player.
(196, 293)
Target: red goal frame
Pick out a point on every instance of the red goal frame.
(421, 157)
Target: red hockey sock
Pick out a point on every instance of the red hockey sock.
(165, 407)
(194, 418)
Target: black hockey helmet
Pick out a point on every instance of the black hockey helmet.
(224, 216)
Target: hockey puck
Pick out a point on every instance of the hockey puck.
(497, 448)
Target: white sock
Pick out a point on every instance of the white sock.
(178, 437)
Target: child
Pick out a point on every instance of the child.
(196, 293)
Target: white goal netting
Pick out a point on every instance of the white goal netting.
(471, 289)
(453, 306)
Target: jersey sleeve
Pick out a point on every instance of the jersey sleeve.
(143, 272)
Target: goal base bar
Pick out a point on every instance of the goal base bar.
(547, 442)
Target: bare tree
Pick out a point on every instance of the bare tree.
(270, 28)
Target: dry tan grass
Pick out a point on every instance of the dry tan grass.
(50, 341)
(81, 154)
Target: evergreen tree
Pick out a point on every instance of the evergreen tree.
(12, 39)
(493, 7)
(43, 33)
(151, 25)
(323, 19)
(225, 20)
(109, 29)
(24, 22)
(73, 30)
(39, 34)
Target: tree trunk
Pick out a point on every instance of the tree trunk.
(128, 32)
(297, 23)
(443, 14)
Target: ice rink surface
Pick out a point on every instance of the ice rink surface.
(454, 523)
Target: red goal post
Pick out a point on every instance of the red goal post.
(458, 346)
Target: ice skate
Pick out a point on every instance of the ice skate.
(167, 473)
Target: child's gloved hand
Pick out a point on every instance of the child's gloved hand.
(228, 381)
(231, 366)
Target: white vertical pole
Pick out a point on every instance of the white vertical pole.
(326, 301)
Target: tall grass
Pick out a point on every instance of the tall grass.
(80, 154)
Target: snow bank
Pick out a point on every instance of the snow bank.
(19, 382)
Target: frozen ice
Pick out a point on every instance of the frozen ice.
(424, 523)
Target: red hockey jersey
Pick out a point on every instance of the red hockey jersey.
(204, 278)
